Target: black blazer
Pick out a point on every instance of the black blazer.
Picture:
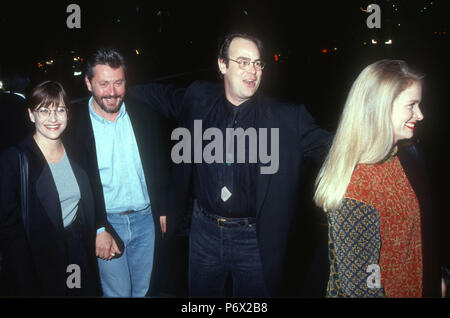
(152, 137)
(13, 123)
(277, 194)
(37, 265)
(415, 169)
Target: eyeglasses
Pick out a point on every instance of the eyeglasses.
(44, 113)
(245, 64)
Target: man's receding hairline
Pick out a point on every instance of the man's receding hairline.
(238, 37)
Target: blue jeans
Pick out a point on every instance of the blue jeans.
(216, 251)
(129, 275)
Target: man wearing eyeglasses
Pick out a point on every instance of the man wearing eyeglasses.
(241, 219)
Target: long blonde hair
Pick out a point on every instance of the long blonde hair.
(364, 134)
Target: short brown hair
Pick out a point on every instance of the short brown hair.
(105, 56)
(47, 93)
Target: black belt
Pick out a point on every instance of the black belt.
(228, 222)
(132, 211)
(128, 212)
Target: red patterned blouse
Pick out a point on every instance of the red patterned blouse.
(386, 188)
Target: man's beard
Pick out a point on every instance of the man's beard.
(99, 101)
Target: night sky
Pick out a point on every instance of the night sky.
(314, 50)
(184, 34)
(319, 45)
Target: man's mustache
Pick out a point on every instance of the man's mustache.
(111, 96)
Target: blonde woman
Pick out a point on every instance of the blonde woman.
(374, 191)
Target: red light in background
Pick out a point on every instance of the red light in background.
(324, 51)
(444, 33)
(275, 57)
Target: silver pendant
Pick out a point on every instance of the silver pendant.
(225, 194)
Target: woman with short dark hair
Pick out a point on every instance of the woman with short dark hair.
(50, 250)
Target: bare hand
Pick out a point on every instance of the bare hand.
(443, 288)
(105, 246)
(163, 223)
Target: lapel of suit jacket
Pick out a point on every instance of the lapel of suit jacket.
(415, 171)
(79, 136)
(80, 140)
(264, 119)
(45, 186)
(147, 132)
(143, 126)
(85, 132)
(85, 192)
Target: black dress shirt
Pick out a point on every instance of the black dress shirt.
(238, 178)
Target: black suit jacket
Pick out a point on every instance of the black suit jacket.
(152, 137)
(36, 265)
(416, 171)
(14, 122)
(277, 197)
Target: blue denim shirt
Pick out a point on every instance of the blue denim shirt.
(119, 163)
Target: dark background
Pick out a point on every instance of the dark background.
(175, 37)
(314, 50)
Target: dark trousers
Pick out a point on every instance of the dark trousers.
(77, 255)
(218, 250)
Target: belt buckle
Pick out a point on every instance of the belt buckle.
(127, 212)
(220, 222)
